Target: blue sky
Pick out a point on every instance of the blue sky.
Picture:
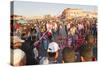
(39, 8)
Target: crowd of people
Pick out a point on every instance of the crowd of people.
(53, 41)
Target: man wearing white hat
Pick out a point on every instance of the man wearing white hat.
(18, 57)
(16, 42)
(53, 47)
(52, 54)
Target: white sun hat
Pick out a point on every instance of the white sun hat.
(53, 47)
(17, 39)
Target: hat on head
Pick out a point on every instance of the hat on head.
(53, 47)
(17, 39)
